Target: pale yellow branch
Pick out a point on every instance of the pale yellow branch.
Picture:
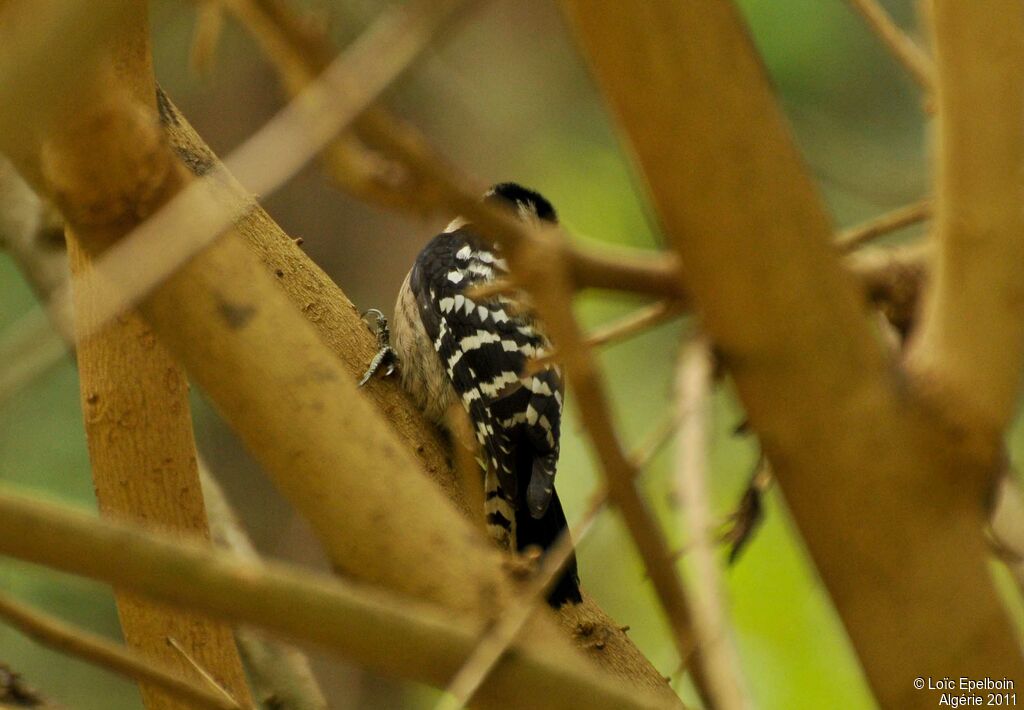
(72, 640)
(970, 347)
(718, 652)
(371, 627)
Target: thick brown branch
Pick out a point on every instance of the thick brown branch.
(875, 487)
(139, 427)
(27, 226)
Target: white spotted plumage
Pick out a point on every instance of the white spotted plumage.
(481, 347)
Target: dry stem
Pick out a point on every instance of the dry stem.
(630, 324)
(719, 655)
(862, 234)
(905, 50)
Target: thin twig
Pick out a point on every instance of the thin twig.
(719, 656)
(654, 441)
(202, 672)
(630, 324)
(299, 52)
(487, 289)
(501, 635)
(855, 237)
(97, 650)
(905, 50)
(537, 258)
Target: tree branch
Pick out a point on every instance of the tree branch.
(139, 432)
(281, 675)
(876, 488)
(69, 639)
(903, 49)
(970, 347)
(719, 655)
(369, 626)
(856, 237)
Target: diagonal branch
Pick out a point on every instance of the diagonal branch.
(537, 264)
(857, 236)
(903, 49)
(95, 649)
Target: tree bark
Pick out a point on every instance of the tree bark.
(139, 430)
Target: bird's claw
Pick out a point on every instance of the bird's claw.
(386, 356)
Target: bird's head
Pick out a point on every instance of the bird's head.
(527, 203)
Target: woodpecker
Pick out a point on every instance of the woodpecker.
(455, 347)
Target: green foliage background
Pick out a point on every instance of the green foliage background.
(507, 97)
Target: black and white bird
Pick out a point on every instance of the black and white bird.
(454, 347)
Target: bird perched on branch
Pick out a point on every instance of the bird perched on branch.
(453, 346)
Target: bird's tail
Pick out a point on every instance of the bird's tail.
(543, 532)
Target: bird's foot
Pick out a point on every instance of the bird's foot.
(386, 359)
